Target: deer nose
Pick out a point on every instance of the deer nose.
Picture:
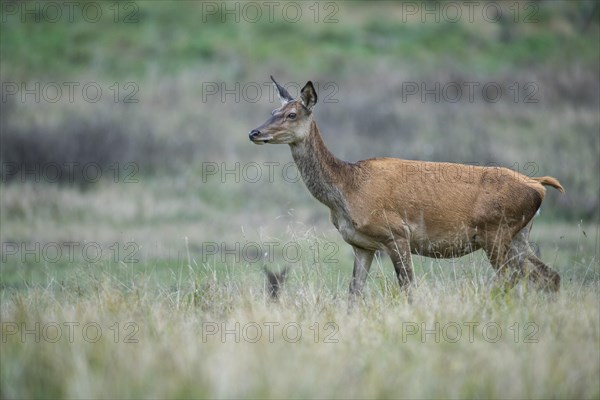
(253, 133)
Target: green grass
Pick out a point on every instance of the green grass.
(165, 337)
(174, 38)
(157, 315)
(155, 223)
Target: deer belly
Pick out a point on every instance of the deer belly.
(436, 250)
(443, 246)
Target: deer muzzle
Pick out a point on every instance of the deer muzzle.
(256, 138)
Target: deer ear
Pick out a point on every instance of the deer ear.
(308, 96)
(284, 96)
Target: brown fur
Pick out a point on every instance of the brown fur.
(419, 207)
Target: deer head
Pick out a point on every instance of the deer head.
(289, 123)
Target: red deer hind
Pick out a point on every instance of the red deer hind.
(402, 207)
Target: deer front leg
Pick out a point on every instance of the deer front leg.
(362, 263)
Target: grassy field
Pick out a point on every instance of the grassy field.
(202, 333)
(164, 314)
(135, 226)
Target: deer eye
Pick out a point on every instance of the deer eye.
(291, 116)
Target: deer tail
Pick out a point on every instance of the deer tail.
(550, 181)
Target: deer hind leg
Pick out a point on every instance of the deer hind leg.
(515, 258)
(530, 263)
(399, 252)
(544, 276)
(507, 258)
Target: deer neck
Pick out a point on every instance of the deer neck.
(322, 173)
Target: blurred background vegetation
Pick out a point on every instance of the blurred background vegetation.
(179, 83)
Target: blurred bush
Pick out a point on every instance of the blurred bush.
(77, 150)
